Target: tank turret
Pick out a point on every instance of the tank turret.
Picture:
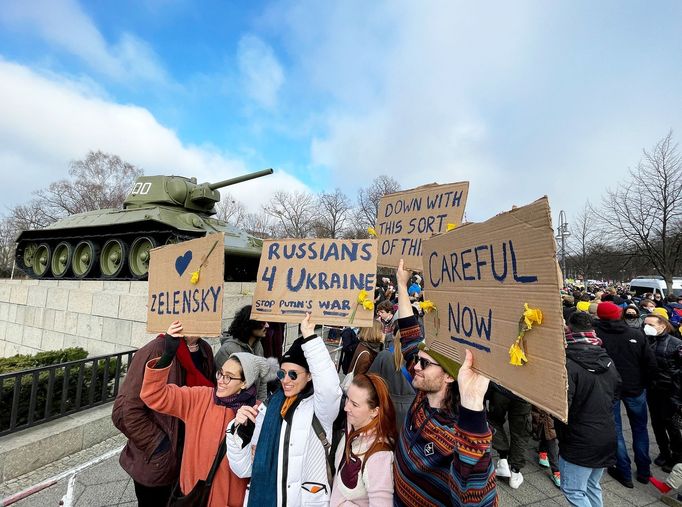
(114, 244)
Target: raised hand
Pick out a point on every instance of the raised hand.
(172, 340)
(402, 275)
(307, 327)
(472, 385)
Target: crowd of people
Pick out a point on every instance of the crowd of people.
(402, 424)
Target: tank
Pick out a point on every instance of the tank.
(114, 244)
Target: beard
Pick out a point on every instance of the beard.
(427, 385)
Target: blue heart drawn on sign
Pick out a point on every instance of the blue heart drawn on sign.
(182, 262)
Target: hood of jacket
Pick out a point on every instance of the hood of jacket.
(590, 357)
(611, 326)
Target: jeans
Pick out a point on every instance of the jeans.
(580, 485)
(635, 407)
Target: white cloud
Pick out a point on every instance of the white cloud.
(64, 24)
(46, 123)
(261, 73)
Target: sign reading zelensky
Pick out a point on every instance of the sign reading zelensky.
(479, 276)
(407, 218)
(186, 284)
(322, 276)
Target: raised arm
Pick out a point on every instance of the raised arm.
(163, 397)
(471, 473)
(410, 332)
(327, 393)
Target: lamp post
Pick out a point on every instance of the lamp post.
(562, 234)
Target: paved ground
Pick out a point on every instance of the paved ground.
(106, 484)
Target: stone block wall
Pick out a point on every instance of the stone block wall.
(100, 316)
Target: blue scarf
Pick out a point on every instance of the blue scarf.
(264, 469)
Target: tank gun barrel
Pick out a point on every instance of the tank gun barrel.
(240, 179)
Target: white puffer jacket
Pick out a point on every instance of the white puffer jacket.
(301, 454)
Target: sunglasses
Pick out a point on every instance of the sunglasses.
(220, 375)
(293, 374)
(425, 363)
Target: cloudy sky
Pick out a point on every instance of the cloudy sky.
(523, 98)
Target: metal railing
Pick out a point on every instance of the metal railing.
(47, 393)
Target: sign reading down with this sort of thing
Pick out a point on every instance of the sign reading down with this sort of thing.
(186, 284)
(479, 276)
(405, 219)
(320, 276)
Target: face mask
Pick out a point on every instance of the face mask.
(630, 317)
(650, 330)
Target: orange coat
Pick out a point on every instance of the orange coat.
(205, 425)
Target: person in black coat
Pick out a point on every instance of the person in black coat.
(587, 444)
(636, 365)
(662, 395)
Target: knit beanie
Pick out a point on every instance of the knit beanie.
(256, 368)
(295, 355)
(609, 311)
(662, 312)
(450, 366)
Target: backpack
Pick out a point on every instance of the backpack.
(349, 342)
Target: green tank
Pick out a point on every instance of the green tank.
(114, 244)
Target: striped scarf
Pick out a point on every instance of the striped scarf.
(588, 337)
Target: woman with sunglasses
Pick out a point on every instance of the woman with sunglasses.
(364, 457)
(206, 412)
(280, 446)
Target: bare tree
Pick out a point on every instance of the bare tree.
(292, 212)
(98, 181)
(259, 224)
(333, 214)
(368, 199)
(584, 241)
(231, 210)
(645, 212)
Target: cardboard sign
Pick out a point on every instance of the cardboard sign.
(320, 276)
(407, 218)
(174, 296)
(479, 276)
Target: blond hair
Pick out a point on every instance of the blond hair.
(397, 352)
(374, 334)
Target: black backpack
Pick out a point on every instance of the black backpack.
(349, 342)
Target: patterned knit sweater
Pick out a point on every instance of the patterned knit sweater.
(441, 460)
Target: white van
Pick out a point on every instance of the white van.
(653, 284)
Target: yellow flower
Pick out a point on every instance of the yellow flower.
(368, 304)
(372, 232)
(450, 227)
(531, 316)
(362, 295)
(516, 354)
(195, 278)
(427, 306)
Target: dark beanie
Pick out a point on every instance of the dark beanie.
(609, 311)
(295, 355)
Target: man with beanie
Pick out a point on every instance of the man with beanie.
(442, 456)
(636, 364)
(587, 444)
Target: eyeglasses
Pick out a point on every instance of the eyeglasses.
(425, 363)
(220, 375)
(293, 374)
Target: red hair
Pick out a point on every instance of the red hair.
(383, 424)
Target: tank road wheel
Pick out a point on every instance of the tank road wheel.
(138, 259)
(27, 257)
(61, 259)
(41, 260)
(84, 259)
(172, 240)
(112, 258)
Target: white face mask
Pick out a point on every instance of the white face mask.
(650, 330)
